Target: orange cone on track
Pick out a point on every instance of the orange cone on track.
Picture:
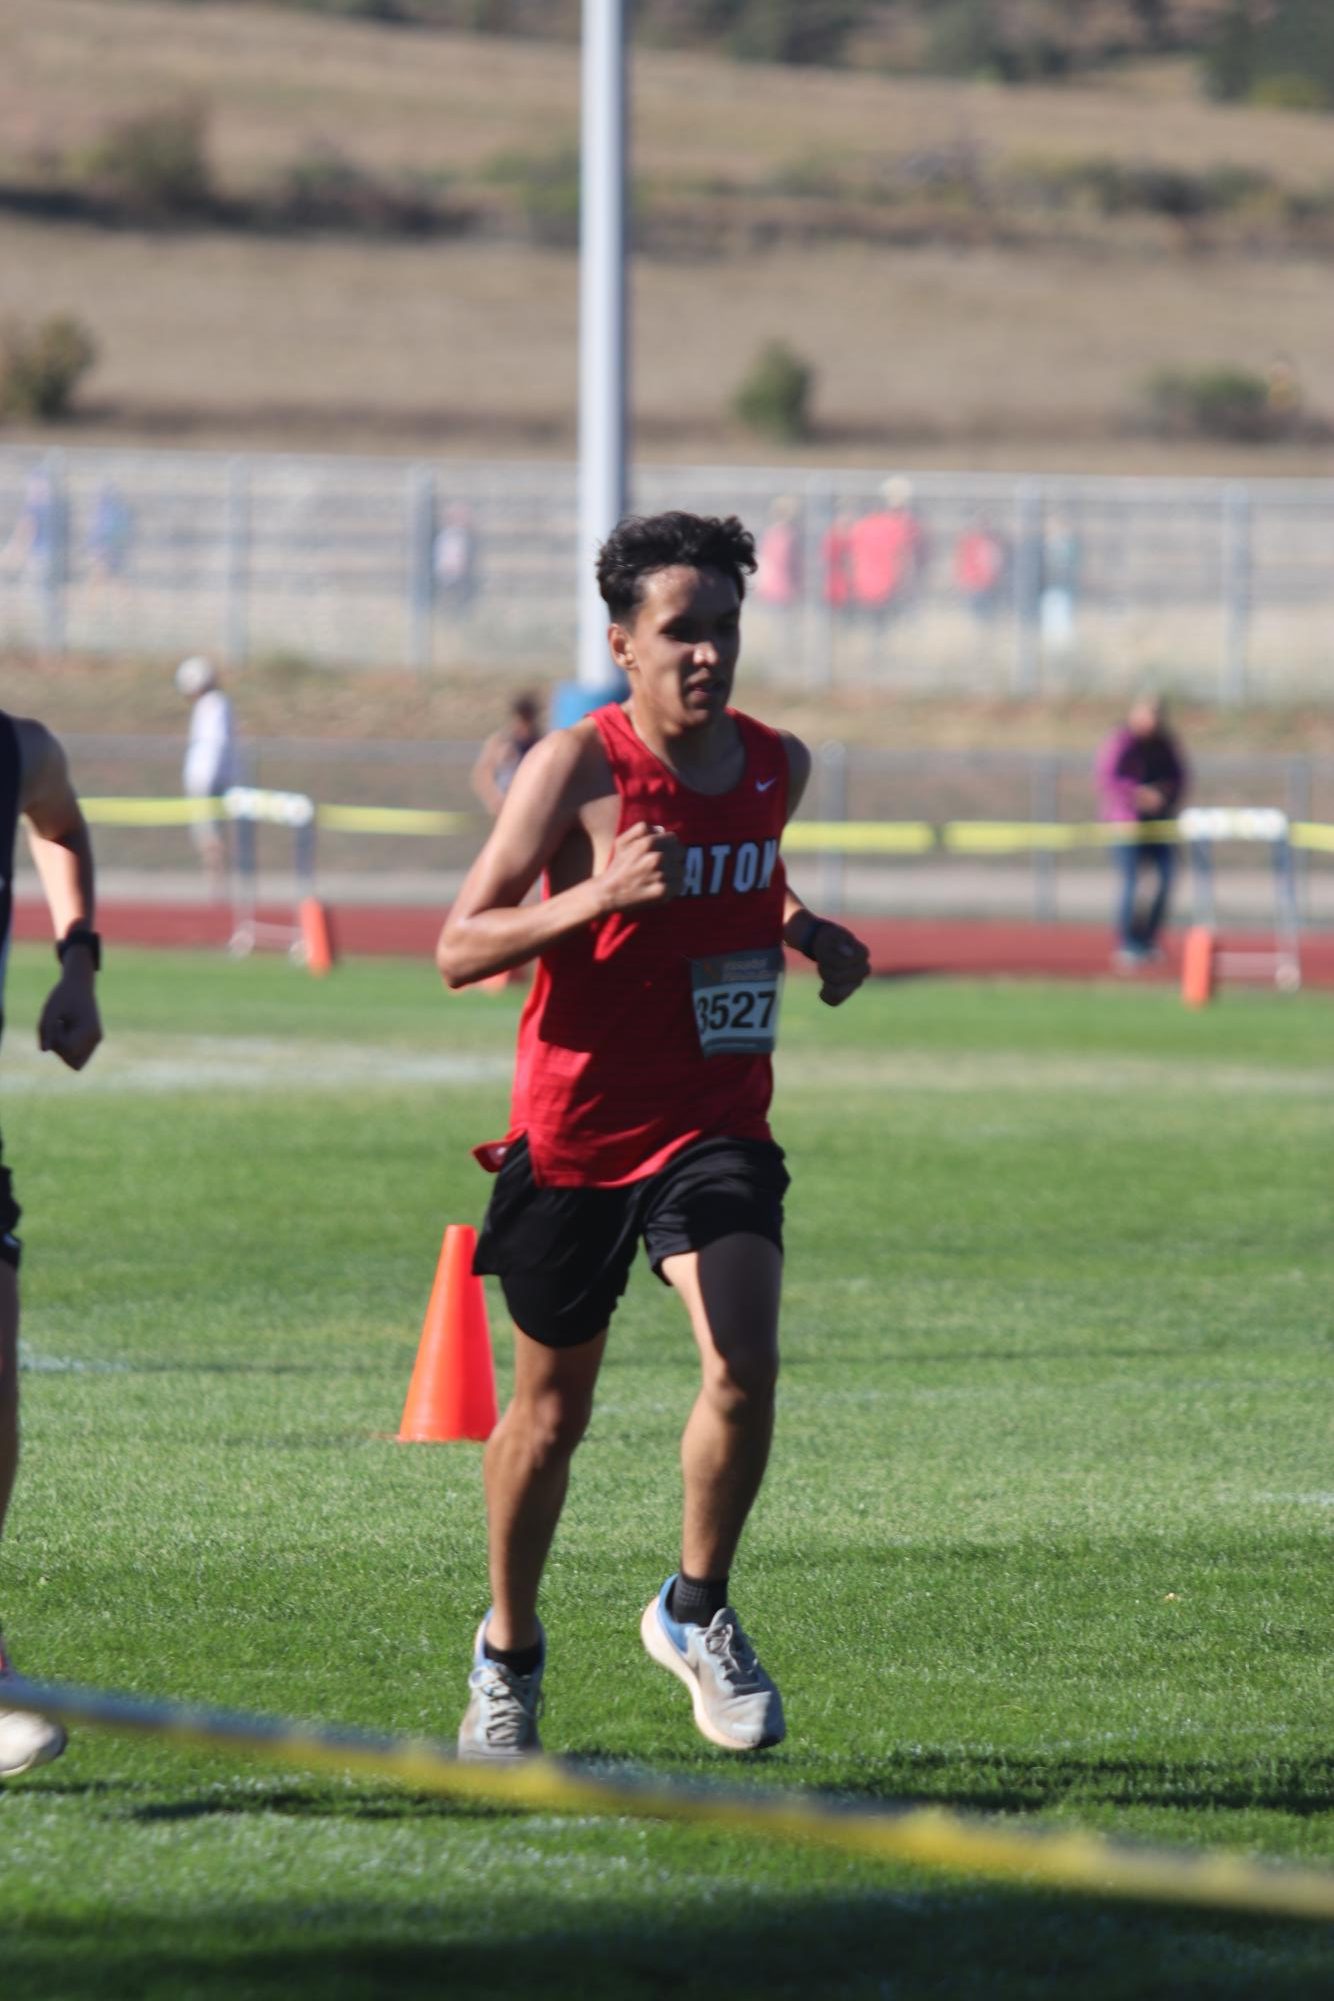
(317, 937)
(1198, 970)
(453, 1389)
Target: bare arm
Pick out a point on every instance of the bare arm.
(490, 927)
(62, 853)
(840, 957)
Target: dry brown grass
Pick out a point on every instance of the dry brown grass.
(129, 696)
(278, 81)
(930, 355)
(1022, 357)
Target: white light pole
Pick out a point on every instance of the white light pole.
(603, 374)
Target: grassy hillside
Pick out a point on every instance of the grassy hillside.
(947, 255)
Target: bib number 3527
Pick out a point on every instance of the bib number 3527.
(736, 1001)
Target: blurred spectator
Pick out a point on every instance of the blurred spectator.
(980, 563)
(503, 753)
(1142, 779)
(836, 562)
(110, 534)
(778, 557)
(1061, 556)
(454, 560)
(38, 545)
(212, 762)
(887, 553)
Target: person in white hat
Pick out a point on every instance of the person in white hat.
(211, 763)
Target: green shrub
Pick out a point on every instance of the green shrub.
(41, 366)
(546, 186)
(1280, 54)
(774, 398)
(324, 189)
(793, 31)
(154, 165)
(1289, 90)
(1212, 402)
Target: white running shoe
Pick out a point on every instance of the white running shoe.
(26, 1741)
(500, 1722)
(736, 1703)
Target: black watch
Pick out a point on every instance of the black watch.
(81, 934)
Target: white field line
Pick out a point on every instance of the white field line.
(918, 1071)
(139, 1066)
(145, 1065)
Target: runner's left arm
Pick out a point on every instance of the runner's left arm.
(839, 956)
(62, 853)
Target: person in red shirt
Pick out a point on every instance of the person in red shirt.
(641, 1096)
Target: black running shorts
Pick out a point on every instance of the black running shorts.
(563, 1255)
(10, 1247)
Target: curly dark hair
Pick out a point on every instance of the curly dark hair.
(643, 543)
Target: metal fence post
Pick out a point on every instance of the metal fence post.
(1044, 806)
(818, 520)
(55, 556)
(1029, 515)
(236, 577)
(421, 544)
(833, 762)
(1236, 592)
(1299, 808)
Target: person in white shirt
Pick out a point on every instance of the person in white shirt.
(211, 761)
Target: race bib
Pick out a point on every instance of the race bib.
(736, 1001)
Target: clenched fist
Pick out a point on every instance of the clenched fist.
(841, 960)
(645, 868)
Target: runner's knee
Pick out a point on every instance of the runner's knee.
(742, 1380)
(553, 1421)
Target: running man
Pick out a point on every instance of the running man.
(34, 782)
(641, 1101)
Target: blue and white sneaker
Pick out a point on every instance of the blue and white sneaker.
(26, 1741)
(736, 1703)
(500, 1722)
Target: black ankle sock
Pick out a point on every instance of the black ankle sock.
(519, 1660)
(694, 1600)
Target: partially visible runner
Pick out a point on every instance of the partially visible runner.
(34, 782)
(504, 751)
(641, 1098)
(212, 762)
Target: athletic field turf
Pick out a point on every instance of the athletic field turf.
(1046, 1533)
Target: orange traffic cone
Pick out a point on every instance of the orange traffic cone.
(1198, 967)
(317, 937)
(453, 1389)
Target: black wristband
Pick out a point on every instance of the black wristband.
(817, 925)
(81, 934)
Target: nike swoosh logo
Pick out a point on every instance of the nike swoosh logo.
(763, 784)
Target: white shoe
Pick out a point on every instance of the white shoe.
(500, 1722)
(736, 1703)
(26, 1741)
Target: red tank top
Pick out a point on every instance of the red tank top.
(612, 1076)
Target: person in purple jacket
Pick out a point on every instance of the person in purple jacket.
(1141, 777)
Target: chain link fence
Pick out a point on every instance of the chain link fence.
(970, 583)
(848, 783)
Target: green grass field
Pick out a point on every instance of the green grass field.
(1046, 1534)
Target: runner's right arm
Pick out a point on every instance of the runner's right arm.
(490, 928)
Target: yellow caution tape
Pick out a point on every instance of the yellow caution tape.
(860, 837)
(852, 837)
(393, 820)
(1311, 834)
(927, 1836)
(150, 812)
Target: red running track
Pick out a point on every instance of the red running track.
(900, 947)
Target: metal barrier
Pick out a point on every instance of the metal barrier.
(987, 583)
